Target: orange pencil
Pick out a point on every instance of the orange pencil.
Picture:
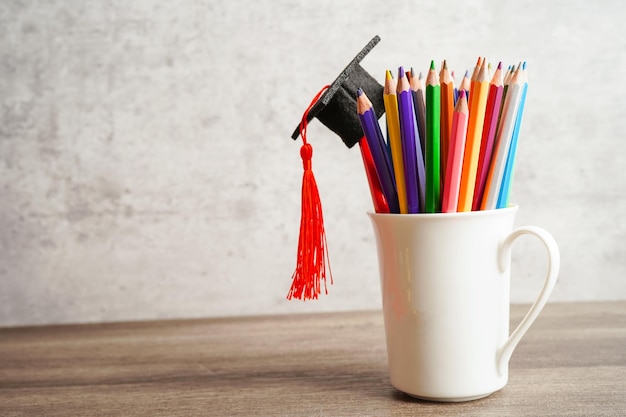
(447, 108)
(454, 166)
(478, 100)
(473, 81)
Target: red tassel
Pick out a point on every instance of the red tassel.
(312, 259)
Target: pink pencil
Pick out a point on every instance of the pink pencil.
(456, 150)
(488, 135)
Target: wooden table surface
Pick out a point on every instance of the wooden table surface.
(572, 362)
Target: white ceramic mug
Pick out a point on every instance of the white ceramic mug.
(445, 281)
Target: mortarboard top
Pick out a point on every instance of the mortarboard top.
(336, 109)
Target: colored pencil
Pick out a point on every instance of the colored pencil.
(455, 156)
(433, 142)
(395, 140)
(446, 149)
(503, 143)
(419, 103)
(465, 85)
(509, 73)
(477, 106)
(505, 189)
(473, 79)
(376, 142)
(455, 88)
(409, 141)
(378, 198)
(492, 114)
(507, 80)
(420, 135)
(447, 109)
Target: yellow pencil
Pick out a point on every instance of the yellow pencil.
(395, 141)
(478, 99)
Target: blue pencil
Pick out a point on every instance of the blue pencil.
(378, 148)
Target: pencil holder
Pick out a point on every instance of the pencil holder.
(445, 281)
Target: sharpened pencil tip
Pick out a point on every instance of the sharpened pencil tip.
(359, 92)
(388, 75)
(524, 65)
(401, 72)
(432, 64)
(500, 65)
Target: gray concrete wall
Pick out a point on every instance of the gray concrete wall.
(146, 169)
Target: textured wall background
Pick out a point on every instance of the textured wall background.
(147, 172)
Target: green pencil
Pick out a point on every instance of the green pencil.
(433, 142)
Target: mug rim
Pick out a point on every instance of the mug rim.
(478, 213)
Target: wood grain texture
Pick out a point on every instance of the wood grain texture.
(572, 362)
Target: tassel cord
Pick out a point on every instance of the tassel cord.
(312, 258)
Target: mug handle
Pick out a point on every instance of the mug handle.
(504, 355)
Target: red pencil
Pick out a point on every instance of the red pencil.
(376, 191)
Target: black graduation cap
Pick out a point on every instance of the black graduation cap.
(336, 109)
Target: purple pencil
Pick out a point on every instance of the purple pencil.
(376, 142)
(411, 147)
